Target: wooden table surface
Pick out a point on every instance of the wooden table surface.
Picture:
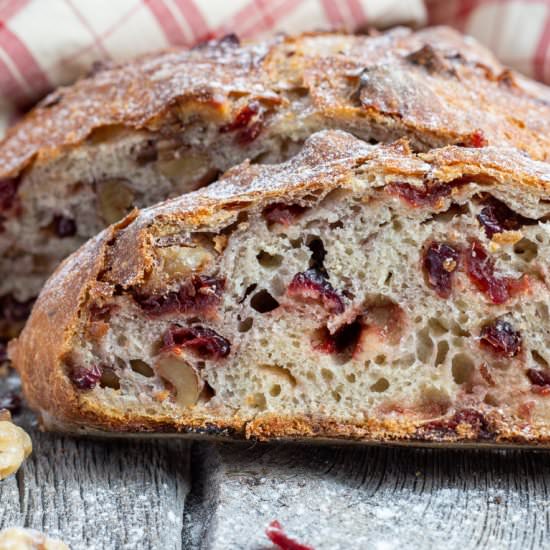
(172, 494)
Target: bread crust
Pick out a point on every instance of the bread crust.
(434, 85)
(119, 256)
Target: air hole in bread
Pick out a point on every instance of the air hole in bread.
(257, 401)
(327, 375)
(275, 390)
(462, 368)
(526, 249)
(207, 393)
(283, 373)
(109, 379)
(442, 350)
(454, 211)
(263, 302)
(249, 290)
(539, 359)
(141, 367)
(424, 345)
(269, 261)
(246, 325)
(318, 253)
(381, 385)
(490, 399)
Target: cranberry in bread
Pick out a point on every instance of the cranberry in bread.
(166, 124)
(356, 291)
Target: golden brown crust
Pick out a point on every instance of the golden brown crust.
(433, 85)
(119, 256)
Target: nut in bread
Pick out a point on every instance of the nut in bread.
(355, 291)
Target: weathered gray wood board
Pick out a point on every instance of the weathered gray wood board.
(100, 495)
(375, 498)
(173, 494)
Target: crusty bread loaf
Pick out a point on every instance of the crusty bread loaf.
(356, 291)
(166, 124)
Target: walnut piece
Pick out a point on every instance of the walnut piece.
(183, 260)
(183, 377)
(15, 447)
(17, 538)
(190, 168)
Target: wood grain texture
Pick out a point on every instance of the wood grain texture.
(100, 494)
(375, 498)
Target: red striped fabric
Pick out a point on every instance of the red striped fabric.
(34, 58)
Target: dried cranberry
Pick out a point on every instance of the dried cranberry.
(539, 377)
(440, 262)
(477, 139)
(11, 401)
(278, 537)
(480, 268)
(101, 312)
(248, 122)
(13, 310)
(204, 342)
(501, 338)
(311, 285)
(471, 417)
(8, 191)
(344, 340)
(496, 217)
(85, 378)
(199, 295)
(427, 195)
(64, 227)
(285, 214)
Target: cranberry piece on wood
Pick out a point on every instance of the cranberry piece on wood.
(439, 263)
(278, 537)
(200, 295)
(496, 217)
(311, 285)
(501, 338)
(64, 227)
(85, 378)
(204, 342)
(480, 268)
(285, 214)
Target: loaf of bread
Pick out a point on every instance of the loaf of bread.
(356, 291)
(166, 124)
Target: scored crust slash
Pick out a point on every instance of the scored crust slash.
(356, 291)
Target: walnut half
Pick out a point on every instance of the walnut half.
(15, 447)
(183, 377)
(17, 538)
